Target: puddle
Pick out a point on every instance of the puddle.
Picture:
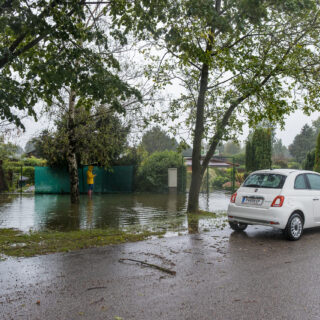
(116, 211)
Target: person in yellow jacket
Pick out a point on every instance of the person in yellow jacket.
(90, 180)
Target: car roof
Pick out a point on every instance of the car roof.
(284, 171)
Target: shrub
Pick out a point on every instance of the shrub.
(219, 181)
(152, 175)
(240, 177)
(33, 161)
(228, 185)
(28, 172)
(240, 158)
(281, 163)
(294, 165)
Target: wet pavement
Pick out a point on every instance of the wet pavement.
(256, 274)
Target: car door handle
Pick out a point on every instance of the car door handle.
(316, 199)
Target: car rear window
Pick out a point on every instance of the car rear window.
(265, 180)
(300, 182)
(314, 181)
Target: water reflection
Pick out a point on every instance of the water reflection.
(55, 212)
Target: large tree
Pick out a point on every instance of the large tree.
(233, 57)
(59, 52)
(100, 135)
(158, 140)
(303, 143)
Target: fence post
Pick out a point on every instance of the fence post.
(208, 179)
(233, 175)
(183, 176)
(21, 181)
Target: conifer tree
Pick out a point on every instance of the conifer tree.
(317, 156)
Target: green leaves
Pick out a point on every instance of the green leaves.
(100, 138)
(48, 45)
(153, 172)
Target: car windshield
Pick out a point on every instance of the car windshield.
(265, 180)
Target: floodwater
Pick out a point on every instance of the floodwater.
(117, 211)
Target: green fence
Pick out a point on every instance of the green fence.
(116, 180)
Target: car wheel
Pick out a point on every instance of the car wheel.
(294, 228)
(237, 226)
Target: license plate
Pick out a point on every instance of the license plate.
(252, 201)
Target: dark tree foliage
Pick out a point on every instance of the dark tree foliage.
(46, 45)
(259, 150)
(308, 162)
(157, 140)
(303, 143)
(249, 156)
(100, 140)
(317, 156)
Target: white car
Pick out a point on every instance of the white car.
(285, 199)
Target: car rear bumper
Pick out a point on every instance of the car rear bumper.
(273, 217)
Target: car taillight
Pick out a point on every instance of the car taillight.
(233, 198)
(278, 201)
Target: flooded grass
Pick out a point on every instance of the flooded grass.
(18, 244)
(41, 224)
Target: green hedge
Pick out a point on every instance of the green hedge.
(34, 162)
(152, 175)
(219, 181)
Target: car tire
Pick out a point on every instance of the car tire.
(294, 228)
(237, 226)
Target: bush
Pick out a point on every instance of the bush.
(281, 163)
(33, 162)
(28, 172)
(293, 165)
(219, 181)
(240, 158)
(228, 185)
(152, 175)
(240, 176)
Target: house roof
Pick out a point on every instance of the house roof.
(213, 163)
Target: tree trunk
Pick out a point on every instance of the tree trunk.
(3, 182)
(198, 170)
(196, 179)
(71, 156)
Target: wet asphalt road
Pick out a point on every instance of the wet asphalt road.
(220, 275)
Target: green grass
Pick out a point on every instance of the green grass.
(18, 244)
(15, 243)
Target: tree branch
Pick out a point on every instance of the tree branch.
(11, 54)
(221, 126)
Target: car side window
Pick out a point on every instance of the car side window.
(314, 181)
(300, 182)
